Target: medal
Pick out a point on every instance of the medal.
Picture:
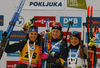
(29, 66)
(30, 57)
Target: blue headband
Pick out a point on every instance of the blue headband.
(33, 30)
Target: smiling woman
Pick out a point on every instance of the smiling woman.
(77, 52)
(55, 33)
(58, 47)
(33, 33)
(30, 49)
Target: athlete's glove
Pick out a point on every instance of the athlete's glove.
(44, 56)
(4, 34)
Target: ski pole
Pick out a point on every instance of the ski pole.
(87, 34)
(5, 38)
(70, 23)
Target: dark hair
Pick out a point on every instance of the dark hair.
(81, 51)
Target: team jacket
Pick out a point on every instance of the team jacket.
(56, 57)
(22, 46)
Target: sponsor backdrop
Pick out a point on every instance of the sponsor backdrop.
(61, 11)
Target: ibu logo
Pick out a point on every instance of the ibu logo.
(77, 21)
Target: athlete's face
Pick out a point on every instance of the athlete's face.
(33, 36)
(74, 40)
(55, 33)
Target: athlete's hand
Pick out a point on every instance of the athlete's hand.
(4, 34)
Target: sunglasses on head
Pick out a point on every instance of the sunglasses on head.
(57, 24)
(74, 33)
